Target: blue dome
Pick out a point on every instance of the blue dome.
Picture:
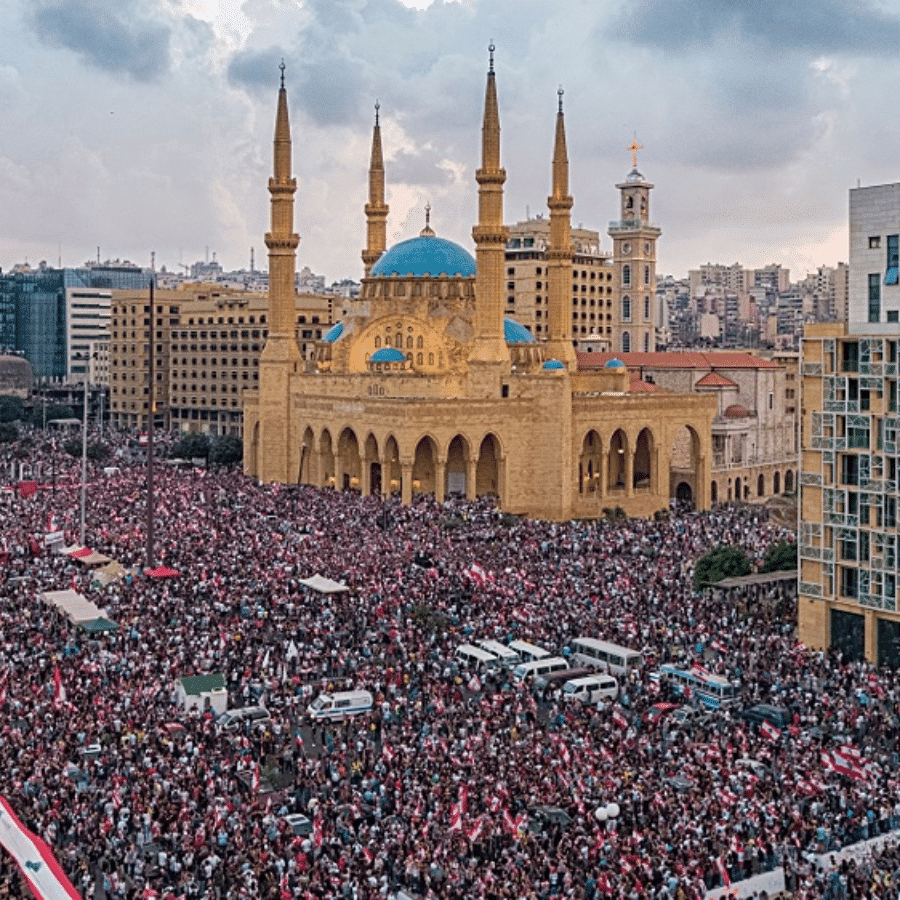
(387, 354)
(615, 364)
(514, 333)
(553, 364)
(333, 333)
(425, 255)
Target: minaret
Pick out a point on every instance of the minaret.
(490, 236)
(280, 357)
(376, 208)
(559, 252)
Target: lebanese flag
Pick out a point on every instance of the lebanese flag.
(699, 671)
(464, 798)
(387, 752)
(59, 692)
(720, 865)
(254, 781)
(51, 522)
(727, 797)
(827, 760)
(368, 854)
(719, 646)
(619, 719)
(474, 684)
(317, 831)
(564, 753)
(455, 818)
(477, 574)
(475, 831)
(769, 731)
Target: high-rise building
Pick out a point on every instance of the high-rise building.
(849, 480)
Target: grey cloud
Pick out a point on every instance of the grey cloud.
(422, 167)
(846, 27)
(107, 35)
(256, 69)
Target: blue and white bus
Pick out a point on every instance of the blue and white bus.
(713, 691)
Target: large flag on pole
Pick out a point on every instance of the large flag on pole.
(31, 854)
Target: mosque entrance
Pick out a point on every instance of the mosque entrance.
(683, 493)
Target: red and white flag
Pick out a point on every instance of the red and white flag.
(317, 831)
(59, 691)
(720, 865)
(475, 831)
(769, 731)
(619, 719)
(254, 780)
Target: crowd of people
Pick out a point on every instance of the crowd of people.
(453, 786)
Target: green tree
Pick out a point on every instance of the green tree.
(191, 446)
(9, 433)
(11, 409)
(780, 557)
(96, 452)
(723, 562)
(53, 411)
(226, 450)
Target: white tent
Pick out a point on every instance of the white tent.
(74, 606)
(323, 585)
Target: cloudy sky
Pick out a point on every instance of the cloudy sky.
(139, 125)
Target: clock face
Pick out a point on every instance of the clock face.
(626, 248)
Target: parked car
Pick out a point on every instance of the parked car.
(779, 716)
(299, 824)
(234, 720)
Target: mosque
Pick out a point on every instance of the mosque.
(426, 387)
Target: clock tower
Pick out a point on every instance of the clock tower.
(634, 261)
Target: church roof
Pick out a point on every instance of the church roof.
(715, 380)
(425, 255)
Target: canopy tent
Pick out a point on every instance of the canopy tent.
(323, 585)
(111, 572)
(162, 572)
(86, 556)
(99, 626)
(74, 606)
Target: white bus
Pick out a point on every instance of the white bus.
(603, 656)
(711, 690)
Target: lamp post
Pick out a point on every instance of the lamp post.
(84, 432)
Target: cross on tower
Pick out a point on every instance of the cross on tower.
(634, 146)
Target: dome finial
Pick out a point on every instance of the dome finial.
(427, 230)
(377, 107)
(559, 93)
(282, 73)
(491, 49)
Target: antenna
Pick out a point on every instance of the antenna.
(251, 261)
(98, 256)
(152, 260)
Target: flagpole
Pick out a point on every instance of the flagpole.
(84, 425)
(150, 423)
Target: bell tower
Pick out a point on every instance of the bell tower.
(634, 260)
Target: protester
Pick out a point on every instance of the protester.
(447, 788)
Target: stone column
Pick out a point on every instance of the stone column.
(440, 478)
(406, 483)
(604, 458)
(471, 468)
(365, 476)
(629, 473)
(338, 471)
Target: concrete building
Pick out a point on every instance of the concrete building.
(849, 480)
(426, 386)
(87, 321)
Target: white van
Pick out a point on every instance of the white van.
(508, 658)
(475, 659)
(526, 671)
(604, 656)
(528, 652)
(590, 689)
(340, 704)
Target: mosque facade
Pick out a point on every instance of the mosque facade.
(425, 386)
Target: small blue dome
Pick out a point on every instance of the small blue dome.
(615, 364)
(553, 364)
(333, 333)
(514, 333)
(387, 354)
(425, 255)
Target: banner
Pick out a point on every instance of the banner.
(31, 854)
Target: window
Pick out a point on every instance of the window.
(893, 315)
(626, 342)
(848, 581)
(850, 356)
(849, 469)
(874, 297)
(893, 259)
(626, 275)
(626, 309)
(646, 274)
(858, 438)
(874, 243)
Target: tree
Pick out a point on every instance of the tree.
(723, 562)
(96, 452)
(227, 450)
(11, 409)
(40, 415)
(191, 446)
(780, 557)
(8, 432)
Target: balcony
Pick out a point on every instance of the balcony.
(632, 225)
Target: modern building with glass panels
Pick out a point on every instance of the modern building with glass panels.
(850, 441)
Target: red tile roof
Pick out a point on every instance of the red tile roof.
(715, 380)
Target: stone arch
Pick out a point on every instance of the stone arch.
(326, 459)
(305, 468)
(738, 486)
(424, 471)
(761, 484)
(458, 458)
(713, 492)
(590, 463)
(683, 493)
(487, 468)
(789, 481)
(642, 465)
(391, 471)
(616, 465)
(684, 461)
(776, 483)
(349, 465)
(371, 467)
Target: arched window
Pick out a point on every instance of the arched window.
(409, 343)
(398, 341)
(420, 343)
(646, 274)
(626, 342)
(418, 359)
(430, 359)
(646, 342)
(377, 342)
(646, 308)
(626, 275)
(626, 308)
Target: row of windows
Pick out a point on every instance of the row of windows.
(626, 275)
(510, 272)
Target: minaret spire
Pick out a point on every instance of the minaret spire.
(559, 252)
(376, 208)
(490, 236)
